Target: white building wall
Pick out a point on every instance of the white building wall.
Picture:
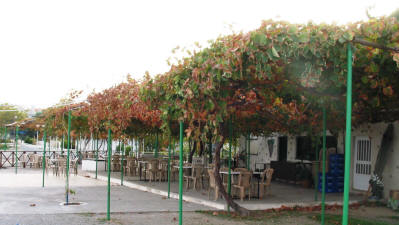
(375, 133)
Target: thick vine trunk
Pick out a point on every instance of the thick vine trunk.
(201, 151)
(192, 151)
(242, 211)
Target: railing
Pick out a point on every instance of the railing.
(7, 157)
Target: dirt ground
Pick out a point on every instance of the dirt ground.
(368, 215)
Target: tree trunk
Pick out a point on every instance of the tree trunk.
(242, 211)
(192, 151)
(201, 148)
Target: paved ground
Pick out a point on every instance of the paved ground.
(23, 194)
(281, 193)
(191, 218)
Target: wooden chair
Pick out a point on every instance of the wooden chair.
(196, 176)
(212, 185)
(34, 161)
(115, 163)
(234, 181)
(153, 169)
(131, 167)
(174, 172)
(243, 184)
(264, 185)
(163, 170)
(74, 166)
(61, 166)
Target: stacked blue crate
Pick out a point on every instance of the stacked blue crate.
(335, 175)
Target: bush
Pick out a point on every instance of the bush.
(28, 140)
(128, 149)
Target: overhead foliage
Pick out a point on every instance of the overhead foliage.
(278, 77)
(121, 109)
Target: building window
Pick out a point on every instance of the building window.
(306, 151)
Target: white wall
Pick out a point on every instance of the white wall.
(375, 132)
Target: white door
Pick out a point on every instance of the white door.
(362, 169)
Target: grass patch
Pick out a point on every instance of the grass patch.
(254, 215)
(336, 219)
(113, 221)
(88, 214)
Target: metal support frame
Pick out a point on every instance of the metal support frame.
(348, 136)
(67, 162)
(16, 150)
(181, 175)
(169, 168)
(44, 157)
(229, 161)
(156, 146)
(323, 184)
(109, 149)
(122, 160)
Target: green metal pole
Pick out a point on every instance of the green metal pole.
(316, 189)
(323, 184)
(181, 175)
(62, 146)
(210, 150)
(156, 146)
(109, 175)
(348, 137)
(67, 162)
(229, 161)
(96, 157)
(248, 151)
(16, 150)
(5, 138)
(173, 149)
(122, 162)
(170, 143)
(44, 157)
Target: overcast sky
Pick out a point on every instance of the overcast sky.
(49, 47)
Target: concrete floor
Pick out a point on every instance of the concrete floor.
(23, 194)
(281, 193)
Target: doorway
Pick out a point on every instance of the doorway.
(282, 148)
(362, 169)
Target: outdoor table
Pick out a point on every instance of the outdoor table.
(257, 173)
(184, 167)
(227, 173)
(90, 164)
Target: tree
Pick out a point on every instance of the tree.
(277, 78)
(8, 117)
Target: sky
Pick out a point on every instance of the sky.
(48, 48)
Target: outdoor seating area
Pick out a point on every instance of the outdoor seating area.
(57, 164)
(245, 184)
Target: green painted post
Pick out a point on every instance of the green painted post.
(109, 174)
(173, 149)
(44, 157)
(181, 175)
(248, 152)
(156, 146)
(122, 162)
(316, 186)
(170, 143)
(323, 184)
(96, 157)
(67, 162)
(348, 137)
(210, 150)
(5, 138)
(16, 150)
(62, 145)
(229, 161)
